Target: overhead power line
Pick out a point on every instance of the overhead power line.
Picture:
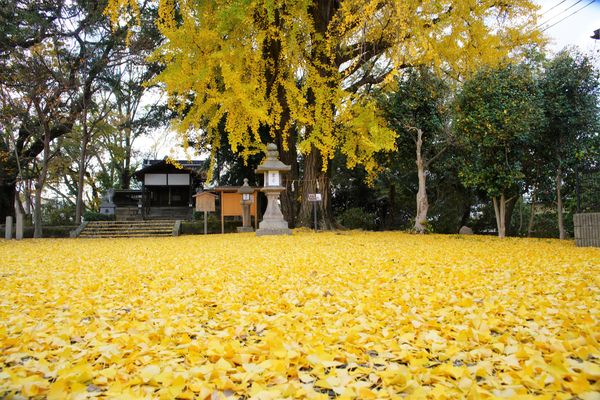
(559, 14)
(552, 8)
(573, 13)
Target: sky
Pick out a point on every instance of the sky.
(566, 23)
(574, 29)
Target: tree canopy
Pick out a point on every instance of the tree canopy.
(498, 113)
(304, 69)
(249, 61)
(61, 63)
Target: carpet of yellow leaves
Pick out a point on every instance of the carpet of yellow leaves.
(351, 315)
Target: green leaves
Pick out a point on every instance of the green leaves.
(498, 114)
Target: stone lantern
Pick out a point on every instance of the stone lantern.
(273, 222)
(247, 199)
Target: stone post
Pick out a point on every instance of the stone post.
(246, 216)
(8, 228)
(19, 227)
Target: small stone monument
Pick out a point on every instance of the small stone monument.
(19, 227)
(8, 228)
(247, 199)
(107, 205)
(465, 230)
(273, 222)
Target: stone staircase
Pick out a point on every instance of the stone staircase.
(168, 213)
(116, 229)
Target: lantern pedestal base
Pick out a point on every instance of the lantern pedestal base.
(273, 222)
(245, 229)
(267, 231)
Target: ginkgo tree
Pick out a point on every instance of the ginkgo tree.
(302, 69)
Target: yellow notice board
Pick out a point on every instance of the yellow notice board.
(231, 204)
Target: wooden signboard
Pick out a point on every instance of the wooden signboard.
(205, 201)
(231, 204)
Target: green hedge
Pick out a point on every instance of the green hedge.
(213, 225)
(50, 231)
(357, 218)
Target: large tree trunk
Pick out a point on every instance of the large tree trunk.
(28, 206)
(79, 206)
(41, 179)
(283, 131)
(315, 181)
(500, 212)
(466, 215)
(39, 186)
(37, 211)
(391, 214)
(510, 208)
(532, 213)
(8, 192)
(559, 205)
(288, 198)
(126, 171)
(422, 203)
(520, 228)
(8, 181)
(19, 205)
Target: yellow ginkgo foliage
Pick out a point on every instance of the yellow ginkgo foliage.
(302, 72)
(318, 316)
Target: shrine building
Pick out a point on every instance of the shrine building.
(168, 191)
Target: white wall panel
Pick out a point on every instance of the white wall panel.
(155, 179)
(179, 179)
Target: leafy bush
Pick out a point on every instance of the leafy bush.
(357, 218)
(56, 212)
(94, 216)
(56, 231)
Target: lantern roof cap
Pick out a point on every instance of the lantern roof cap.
(272, 163)
(245, 188)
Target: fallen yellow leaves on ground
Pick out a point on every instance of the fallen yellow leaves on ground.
(329, 315)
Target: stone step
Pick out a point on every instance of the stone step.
(154, 221)
(130, 235)
(161, 226)
(130, 228)
(141, 226)
(130, 225)
(100, 231)
(107, 229)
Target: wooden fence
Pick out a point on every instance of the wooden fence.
(587, 229)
